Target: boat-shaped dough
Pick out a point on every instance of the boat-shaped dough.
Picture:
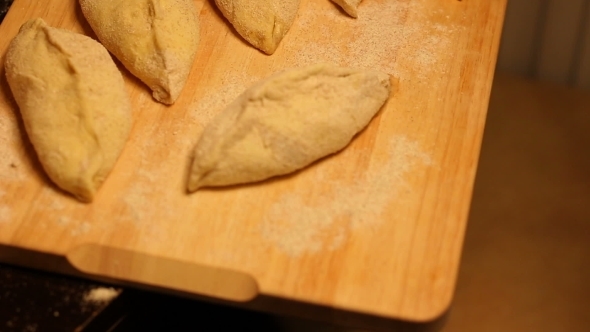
(349, 6)
(285, 123)
(156, 40)
(263, 23)
(73, 103)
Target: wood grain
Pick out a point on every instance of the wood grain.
(375, 229)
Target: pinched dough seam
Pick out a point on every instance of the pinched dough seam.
(81, 114)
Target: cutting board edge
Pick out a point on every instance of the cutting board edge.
(160, 272)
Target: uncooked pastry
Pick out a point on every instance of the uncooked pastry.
(285, 123)
(156, 40)
(349, 6)
(73, 103)
(263, 23)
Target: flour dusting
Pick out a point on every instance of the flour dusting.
(81, 229)
(297, 226)
(374, 40)
(11, 169)
(101, 295)
(10, 146)
(147, 198)
(231, 85)
(151, 199)
(5, 214)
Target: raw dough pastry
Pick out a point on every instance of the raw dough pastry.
(73, 103)
(349, 6)
(156, 40)
(285, 123)
(263, 23)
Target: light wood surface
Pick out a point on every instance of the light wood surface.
(376, 229)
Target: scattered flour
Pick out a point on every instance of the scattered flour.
(232, 84)
(63, 221)
(5, 214)
(146, 200)
(299, 227)
(11, 157)
(10, 162)
(152, 194)
(375, 40)
(101, 295)
(81, 229)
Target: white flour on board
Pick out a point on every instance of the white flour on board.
(10, 144)
(152, 195)
(147, 185)
(233, 83)
(63, 220)
(297, 227)
(371, 40)
(81, 229)
(5, 214)
(100, 295)
(10, 162)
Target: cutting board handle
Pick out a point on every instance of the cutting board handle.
(125, 265)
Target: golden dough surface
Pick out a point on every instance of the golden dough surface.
(263, 23)
(156, 40)
(73, 102)
(286, 122)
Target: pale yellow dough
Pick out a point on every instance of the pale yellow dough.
(263, 23)
(73, 103)
(349, 6)
(285, 123)
(156, 40)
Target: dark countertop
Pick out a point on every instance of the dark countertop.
(32, 301)
(4, 5)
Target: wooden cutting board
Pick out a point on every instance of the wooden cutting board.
(376, 229)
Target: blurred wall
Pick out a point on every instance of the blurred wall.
(547, 40)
